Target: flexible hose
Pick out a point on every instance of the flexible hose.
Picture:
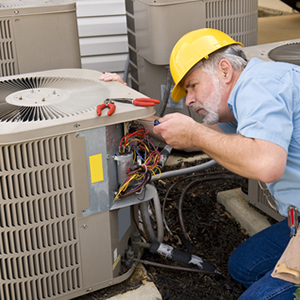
(210, 178)
(147, 220)
(184, 171)
(159, 220)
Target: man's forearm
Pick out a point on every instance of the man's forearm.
(251, 158)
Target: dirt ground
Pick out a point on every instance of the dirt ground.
(212, 232)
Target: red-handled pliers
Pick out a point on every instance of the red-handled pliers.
(107, 103)
(137, 101)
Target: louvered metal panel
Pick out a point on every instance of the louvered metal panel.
(7, 49)
(100, 8)
(238, 18)
(39, 245)
(103, 35)
(107, 63)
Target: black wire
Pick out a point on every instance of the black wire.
(190, 185)
(182, 179)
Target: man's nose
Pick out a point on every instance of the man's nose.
(189, 99)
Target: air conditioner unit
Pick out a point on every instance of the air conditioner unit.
(38, 35)
(61, 232)
(286, 51)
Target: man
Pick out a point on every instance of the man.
(251, 115)
(257, 107)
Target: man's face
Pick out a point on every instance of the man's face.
(204, 94)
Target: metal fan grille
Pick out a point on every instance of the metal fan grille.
(286, 53)
(19, 100)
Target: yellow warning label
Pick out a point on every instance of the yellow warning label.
(96, 168)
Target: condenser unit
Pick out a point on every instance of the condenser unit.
(38, 35)
(285, 51)
(61, 232)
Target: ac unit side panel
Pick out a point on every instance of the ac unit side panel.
(46, 41)
(158, 28)
(96, 251)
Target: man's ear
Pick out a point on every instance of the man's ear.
(225, 68)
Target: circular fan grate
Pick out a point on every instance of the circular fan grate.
(289, 53)
(46, 98)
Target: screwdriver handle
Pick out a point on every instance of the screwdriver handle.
(293, 220)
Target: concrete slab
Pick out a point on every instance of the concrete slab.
(276, 5)
(278, 28)
(146, 291)
(249, 217)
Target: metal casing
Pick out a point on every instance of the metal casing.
(157, 25)
(38, 36)
(61, 234)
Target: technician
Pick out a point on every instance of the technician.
(251, 115)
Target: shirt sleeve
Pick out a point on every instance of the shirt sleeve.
(229, 127)
(263, 108)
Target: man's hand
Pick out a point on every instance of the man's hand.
(112, 77)
(177, 130)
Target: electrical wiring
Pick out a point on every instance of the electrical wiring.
(145, 161)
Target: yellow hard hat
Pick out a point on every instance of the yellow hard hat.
(190, 49)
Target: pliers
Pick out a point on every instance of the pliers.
(107, 103)
(138, 101)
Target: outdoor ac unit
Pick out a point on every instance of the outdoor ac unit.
(38, 35)
(286, 51)
(61, 232)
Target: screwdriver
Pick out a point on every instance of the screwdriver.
(292, 220)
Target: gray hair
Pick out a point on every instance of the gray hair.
(234, 54)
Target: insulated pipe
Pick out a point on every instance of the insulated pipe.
(147, 221)
(198, 168)
(185, 258)
(159, 220)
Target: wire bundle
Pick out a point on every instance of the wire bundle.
(145, 161)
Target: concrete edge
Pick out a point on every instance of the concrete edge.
(249, 217)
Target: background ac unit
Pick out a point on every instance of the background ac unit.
(286, 51)
(61, 232)
(37, 36)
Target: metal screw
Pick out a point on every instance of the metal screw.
(84, 226)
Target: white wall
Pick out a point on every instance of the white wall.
(102, 35)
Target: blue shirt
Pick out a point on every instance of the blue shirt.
(265, 102)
